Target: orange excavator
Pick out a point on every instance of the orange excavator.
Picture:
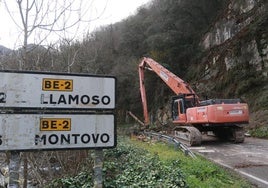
(224, 117)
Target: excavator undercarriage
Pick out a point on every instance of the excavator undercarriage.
(192, 136)
(235, 134)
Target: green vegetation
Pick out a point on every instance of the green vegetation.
(143, 164)
(83, 179)
(129, 165)
(259, 124)
(197, 172)
(261, 132)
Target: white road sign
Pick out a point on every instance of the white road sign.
(61, 131)
(61, 91)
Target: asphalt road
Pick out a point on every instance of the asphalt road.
(249, 159)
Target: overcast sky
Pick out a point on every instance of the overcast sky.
(106, 12)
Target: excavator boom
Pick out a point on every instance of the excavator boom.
(176, 84)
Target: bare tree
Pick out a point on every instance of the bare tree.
(37, 20)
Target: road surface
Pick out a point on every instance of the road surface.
(249, 159)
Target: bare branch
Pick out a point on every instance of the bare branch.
(41, 18)
(11, 16)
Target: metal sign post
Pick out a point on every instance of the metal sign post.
(14, 166)
(98, 163)
(53, 111)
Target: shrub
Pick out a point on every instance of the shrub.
(128, 165)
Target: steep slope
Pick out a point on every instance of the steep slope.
(235, 59)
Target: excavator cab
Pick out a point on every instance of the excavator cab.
(178, 110)
(180, 103)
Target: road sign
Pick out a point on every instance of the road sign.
(60, 131)
(56, 91)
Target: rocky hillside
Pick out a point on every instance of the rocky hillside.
(235, 60)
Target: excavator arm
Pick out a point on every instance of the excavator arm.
(176, 84)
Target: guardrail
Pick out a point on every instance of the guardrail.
(170, 139)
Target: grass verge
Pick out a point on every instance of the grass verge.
(153, 164)
(197, 172)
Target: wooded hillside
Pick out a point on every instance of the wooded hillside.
(172, 33)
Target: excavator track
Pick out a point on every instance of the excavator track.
(238, 135)
(191, 136)
(235, 134)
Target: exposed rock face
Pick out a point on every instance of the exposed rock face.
(236, 52)
(237, 16)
